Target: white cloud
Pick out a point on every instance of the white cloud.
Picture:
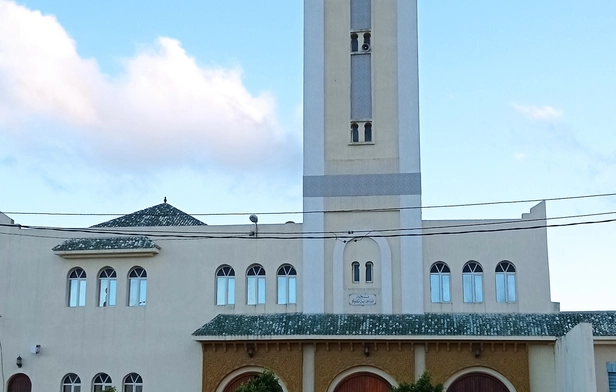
(163, 109)
(538, 113)
(520, 156)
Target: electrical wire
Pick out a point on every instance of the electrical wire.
(488, 203)
(154, 233)
(292, 236)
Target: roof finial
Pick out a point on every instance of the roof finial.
(165, 200)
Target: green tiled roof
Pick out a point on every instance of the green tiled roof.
(106, 243)
(429, 324)
(160, 215)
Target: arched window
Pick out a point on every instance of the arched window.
(354, 43)
(505, 282)
(366, 45)
(77, 287)
(107, 287)
(133, 383)
(369, 272)
(355, 272)
(440, 283)
(255, 285)
(225, 286)
(137, 287)
(354, 133)
(472, 282)
(71, 383)
(368, 132)
(100, 382)
(287, 284)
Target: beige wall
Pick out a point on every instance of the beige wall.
(605, 351)
(526, 249)
(382, 156)
(119, 340)
(542, 368)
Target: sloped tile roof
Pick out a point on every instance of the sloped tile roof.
(429, 324)
(106, 243)
(163, 214)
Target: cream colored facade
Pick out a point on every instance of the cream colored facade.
(362, 202)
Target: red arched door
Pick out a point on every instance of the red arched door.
(477, 382)
(239, 380)
(363, 382)
(20, 383)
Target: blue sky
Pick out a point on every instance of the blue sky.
(108, 107)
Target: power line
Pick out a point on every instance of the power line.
(301, 236)
(158, 232)
(477, 204)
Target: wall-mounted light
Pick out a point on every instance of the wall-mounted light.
(250, 349)
(476, 349)
(254, 219)
(19, 362)
(366, 350)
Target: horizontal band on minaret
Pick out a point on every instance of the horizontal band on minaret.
(362, 185)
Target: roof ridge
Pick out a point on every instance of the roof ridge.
(163, 214)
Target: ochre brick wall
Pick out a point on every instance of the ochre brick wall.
(220, 359)
(510, 359)
(333, 358)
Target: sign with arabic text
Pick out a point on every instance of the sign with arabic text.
(362, 299)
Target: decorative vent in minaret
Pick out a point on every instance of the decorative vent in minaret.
(361, 72)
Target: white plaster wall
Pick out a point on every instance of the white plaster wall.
(575, 360)
(526, 249)
(542, 367)
(5, 220)
(153, 340)
(605, 351)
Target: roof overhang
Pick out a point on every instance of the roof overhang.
(107, 253)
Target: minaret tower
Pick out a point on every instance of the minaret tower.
(362, 173)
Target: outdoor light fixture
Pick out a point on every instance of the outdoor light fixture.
(254, 219)
(366, 350)
(476, 349)
(250, 349)
(18, 362)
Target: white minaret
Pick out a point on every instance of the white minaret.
(361, 152)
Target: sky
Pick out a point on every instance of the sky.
(108, 107)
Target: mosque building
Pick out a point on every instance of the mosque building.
(361, 296)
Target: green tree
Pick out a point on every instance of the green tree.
(110, 389)
(424, 384)
(264, 382)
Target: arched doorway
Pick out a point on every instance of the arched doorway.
(20, 383)
(363, 382)
(239, 380)
(477, 382)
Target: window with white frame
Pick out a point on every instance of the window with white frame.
(472, 282)
(287, 285)
(505, 282)
(255, 285)
(611, 376)
(71, 383)
(100, 382)
(77, 287)
(107, 280)
(225, 286)
(137, 287)
(355, 272)
(369, 272)
(133, 383)
(440, 283)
